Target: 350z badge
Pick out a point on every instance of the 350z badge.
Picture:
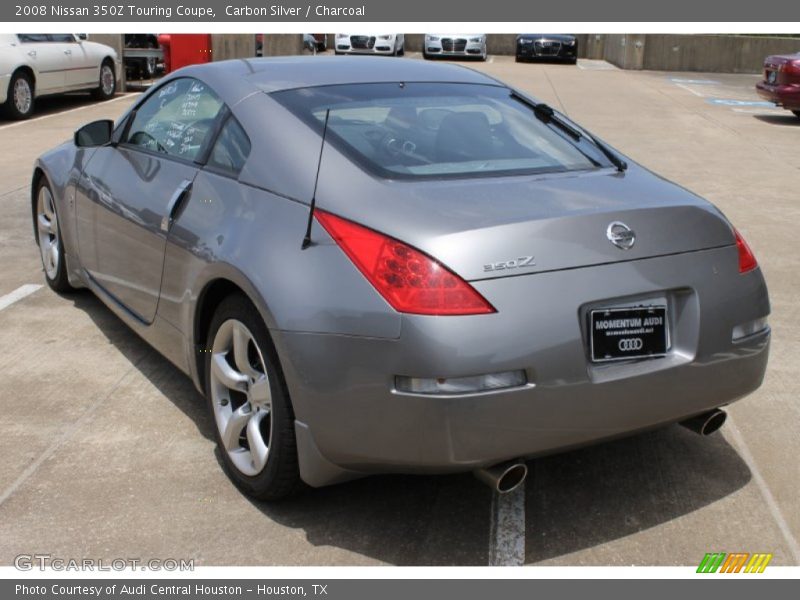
(514, 263)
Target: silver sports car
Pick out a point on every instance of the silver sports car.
(411, 267)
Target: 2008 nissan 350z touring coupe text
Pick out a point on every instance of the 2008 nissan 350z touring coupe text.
(399, 268)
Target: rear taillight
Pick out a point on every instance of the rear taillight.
(747, 260)
(410, 281)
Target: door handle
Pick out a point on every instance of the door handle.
(67, 51)
(174, 203)
(32, 53)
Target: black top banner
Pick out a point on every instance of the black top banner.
(474, 11)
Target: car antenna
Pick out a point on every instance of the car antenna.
(307, 238)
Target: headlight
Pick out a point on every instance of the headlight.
(432, 38)
(386, 37)
(570, 43)
(476, 40)
(525, 41)
(340, 36)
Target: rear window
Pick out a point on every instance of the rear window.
(420, 130)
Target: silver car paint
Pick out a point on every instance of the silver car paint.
(341, 345)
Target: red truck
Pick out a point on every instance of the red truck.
(781, 83)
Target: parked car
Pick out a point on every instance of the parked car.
(141, 67)
(321, 40)
(39, 64)
(462, 44)
(548, 46)
(436, 273)
(392, 44)
(781, 83)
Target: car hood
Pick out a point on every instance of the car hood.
(547, 36)
(474, 225)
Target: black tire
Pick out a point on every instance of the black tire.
(517, 58)
(280, 477)
(56, 278)
(16, 110)
(796, 113)
(102, 92)
(402, 51)
(426, 56)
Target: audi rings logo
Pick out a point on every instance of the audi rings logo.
(630, 344)
(621, 235)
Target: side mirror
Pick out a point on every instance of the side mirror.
(83, 37)
(96, 133)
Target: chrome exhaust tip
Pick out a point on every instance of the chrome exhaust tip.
(504, 477)
(707, 422)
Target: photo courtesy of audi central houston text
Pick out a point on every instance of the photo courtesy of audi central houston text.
(371, 267)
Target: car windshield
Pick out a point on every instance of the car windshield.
(423, 130)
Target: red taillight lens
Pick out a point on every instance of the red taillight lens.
(747, 260)
(410, 281)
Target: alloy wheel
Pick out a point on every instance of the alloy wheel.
(107, 82)
(23, 97)
(241, 397)
(47, 224)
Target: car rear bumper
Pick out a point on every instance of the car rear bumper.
(353, 421)
(787, 96)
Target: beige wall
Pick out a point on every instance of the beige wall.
(714, 53)
(282, 44)
(225, 46)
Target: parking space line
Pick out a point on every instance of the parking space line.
(690, 90)
(507, 530)
(65, 436)
(769, 499)
(18, 294)
(66, 112)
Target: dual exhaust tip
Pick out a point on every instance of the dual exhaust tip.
(706, 423)
(506, 477)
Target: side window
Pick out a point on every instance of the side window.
(231, 148)
(176, 119)
(31, 38)
(61, 37)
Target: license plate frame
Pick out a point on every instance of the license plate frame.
(628, 333)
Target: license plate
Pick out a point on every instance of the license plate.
(772, 76)
(626, 333)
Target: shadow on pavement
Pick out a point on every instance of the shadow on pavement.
(49, 105)
(576, 500)
(591, 496)
(787, 120)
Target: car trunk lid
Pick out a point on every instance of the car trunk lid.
(485, 228)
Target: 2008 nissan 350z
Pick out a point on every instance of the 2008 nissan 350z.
(410, 267)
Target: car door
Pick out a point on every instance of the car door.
(47, 59)
(132, 191)
(81, 68)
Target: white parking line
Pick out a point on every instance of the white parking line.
(18, 294)
(690, 90)
(66, 112)
(507, 530)
(772, 505)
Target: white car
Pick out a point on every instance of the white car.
(391, 44)
(39, 64)
(455, 44)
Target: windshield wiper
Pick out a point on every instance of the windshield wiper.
(546, 114)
